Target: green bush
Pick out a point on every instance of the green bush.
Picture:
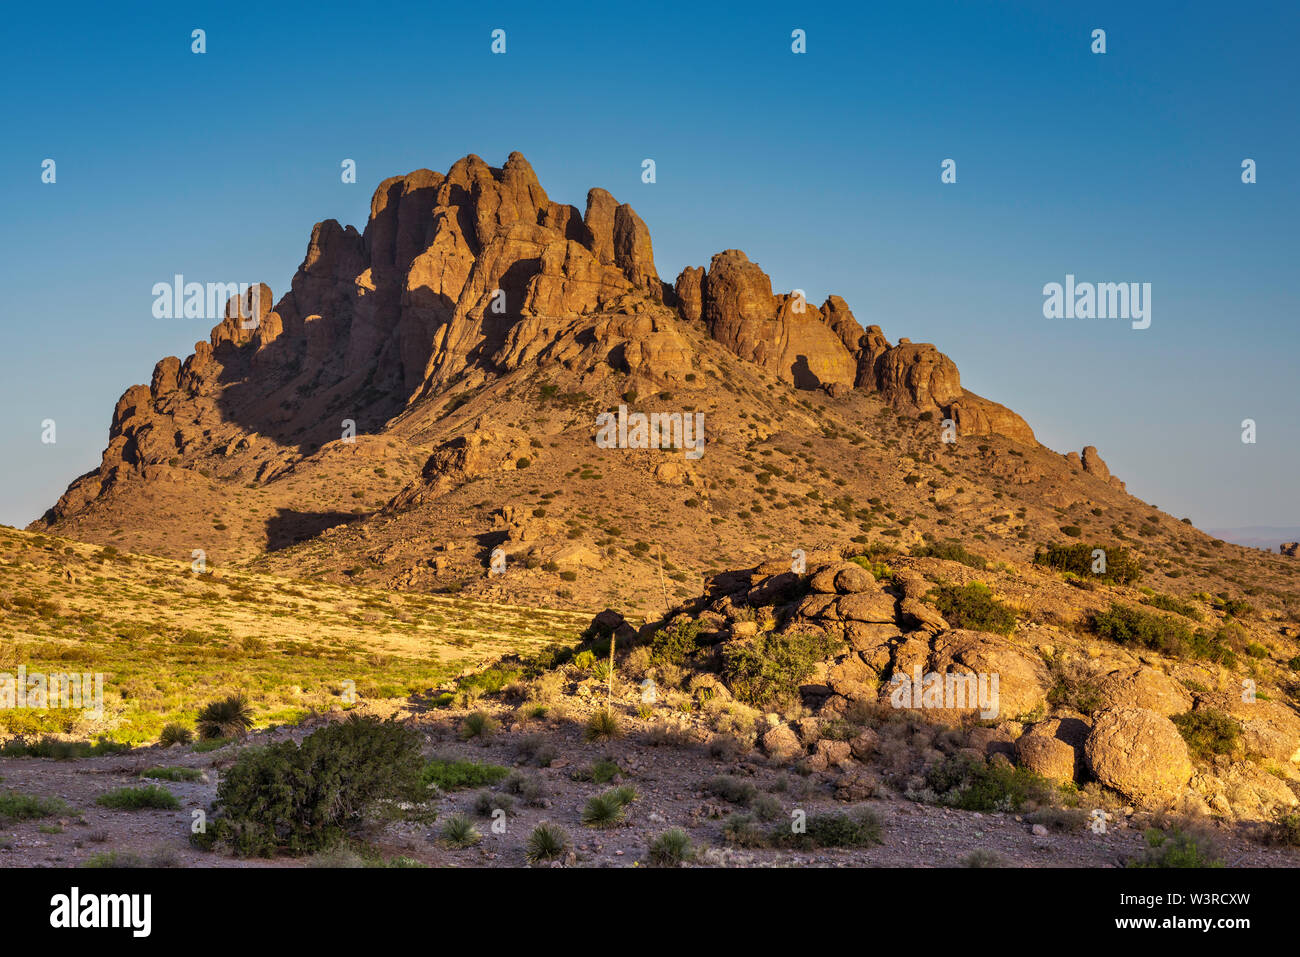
(26, 807)
(172, 774)
(1126, 625)
(770, 669)
(151, 796)
(676, 642)
(297, 799)
(458, 831)
(607, 808)
(951, 552)
(860, 829)
(1285, 827)
(1122, 567)
(1208, 732)
(59, 750)
(454, 775)
(974, 784)
(478, 724)
(972, 606)
(1176, 848)
(1169, 603)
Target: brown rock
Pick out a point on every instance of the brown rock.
(781, 742)
(783, 334)
(1092, 463)
(690, 292)
(1144, 688)
(1138, 753)
(1048, 756)
(851, 579)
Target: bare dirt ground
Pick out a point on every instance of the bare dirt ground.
(668, 778)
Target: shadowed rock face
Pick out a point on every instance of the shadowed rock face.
(784, 334)
(461, 276)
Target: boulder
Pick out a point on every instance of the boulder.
(1144, 687)
(781, 742)
(1048, 756)
(1140, 754)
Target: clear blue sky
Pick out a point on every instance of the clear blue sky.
(823, 167)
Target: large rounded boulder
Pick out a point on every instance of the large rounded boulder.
(1138, 753)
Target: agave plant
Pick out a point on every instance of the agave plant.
(229, 718)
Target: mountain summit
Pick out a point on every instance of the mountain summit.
(433, 383)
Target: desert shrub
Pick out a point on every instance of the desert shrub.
(535, 749)
(765, 807)
(478, 725)
(1284, 828)
(859, 829)
(486, 804)
(732, 789)
(1176, 848)
(529, 788)
(228, 718)
(671, 848)
(1073, 686)
(26, 807)
(48, 747)
(1126, 625)
(547, 842)
(1060, 819)
(676, 642)
(743, 830)
(172, 774)
(973, 784)
(769, 670)
(602, 726)
(1122, 567)
(1233, 607)
(151, 796)
(1169, 603)
(602, 771)
(1207, 732)
(982, 858)
(114, 860)
(175, 734)
(451, 775)
(951, 552)
(302, 798)
(972, 606)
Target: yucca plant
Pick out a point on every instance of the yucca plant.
(671, 848)
(459, 831)
(229, 718)
(548, 842)
(175, 734)
(477, 725)
(602, 726)
(606, 809)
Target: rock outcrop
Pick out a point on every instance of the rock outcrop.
(461, 276)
